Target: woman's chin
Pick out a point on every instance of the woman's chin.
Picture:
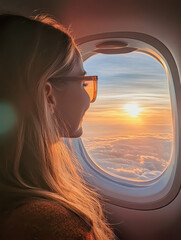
(76, 133)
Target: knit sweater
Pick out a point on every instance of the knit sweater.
(44, 220)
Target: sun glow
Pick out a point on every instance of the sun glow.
(132, 109)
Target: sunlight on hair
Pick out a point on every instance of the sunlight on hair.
(7, 118)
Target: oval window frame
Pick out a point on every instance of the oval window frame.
(158, 192)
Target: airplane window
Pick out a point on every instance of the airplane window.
(128, 130)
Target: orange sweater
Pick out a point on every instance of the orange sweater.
(44, 220)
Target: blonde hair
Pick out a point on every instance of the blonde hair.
(35, 163)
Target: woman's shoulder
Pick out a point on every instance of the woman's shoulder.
(45, 220)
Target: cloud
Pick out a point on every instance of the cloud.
(140, 157)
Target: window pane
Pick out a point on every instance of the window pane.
(128, 130)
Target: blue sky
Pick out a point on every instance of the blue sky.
(133, 76)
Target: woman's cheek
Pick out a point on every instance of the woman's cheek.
(86, 100)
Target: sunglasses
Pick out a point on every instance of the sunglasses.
(89, 83)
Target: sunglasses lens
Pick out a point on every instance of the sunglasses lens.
(91, 89)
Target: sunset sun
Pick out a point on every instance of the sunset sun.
(132, 109)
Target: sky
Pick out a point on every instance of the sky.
(128, 130)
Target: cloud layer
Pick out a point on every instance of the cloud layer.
(141, 157)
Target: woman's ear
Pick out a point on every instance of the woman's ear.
(49, 93)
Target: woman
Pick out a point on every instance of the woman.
(43, 98)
